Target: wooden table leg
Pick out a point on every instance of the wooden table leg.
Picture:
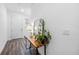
(30, 48)
(44, 49)
(37, 53)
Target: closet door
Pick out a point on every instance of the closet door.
(16, 25)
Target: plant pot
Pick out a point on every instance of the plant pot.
(38, 43)
(45, 41)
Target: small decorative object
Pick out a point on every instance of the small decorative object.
(43, 37)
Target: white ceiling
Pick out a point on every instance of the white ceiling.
(19, 7)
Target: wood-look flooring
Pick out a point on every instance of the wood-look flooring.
(17, 46)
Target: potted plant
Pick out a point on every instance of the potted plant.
(43, 37)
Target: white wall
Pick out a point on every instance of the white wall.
(3, 26)
(63, 22)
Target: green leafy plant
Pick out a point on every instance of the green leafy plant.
(43, 35)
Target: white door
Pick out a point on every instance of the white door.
(16, 25)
